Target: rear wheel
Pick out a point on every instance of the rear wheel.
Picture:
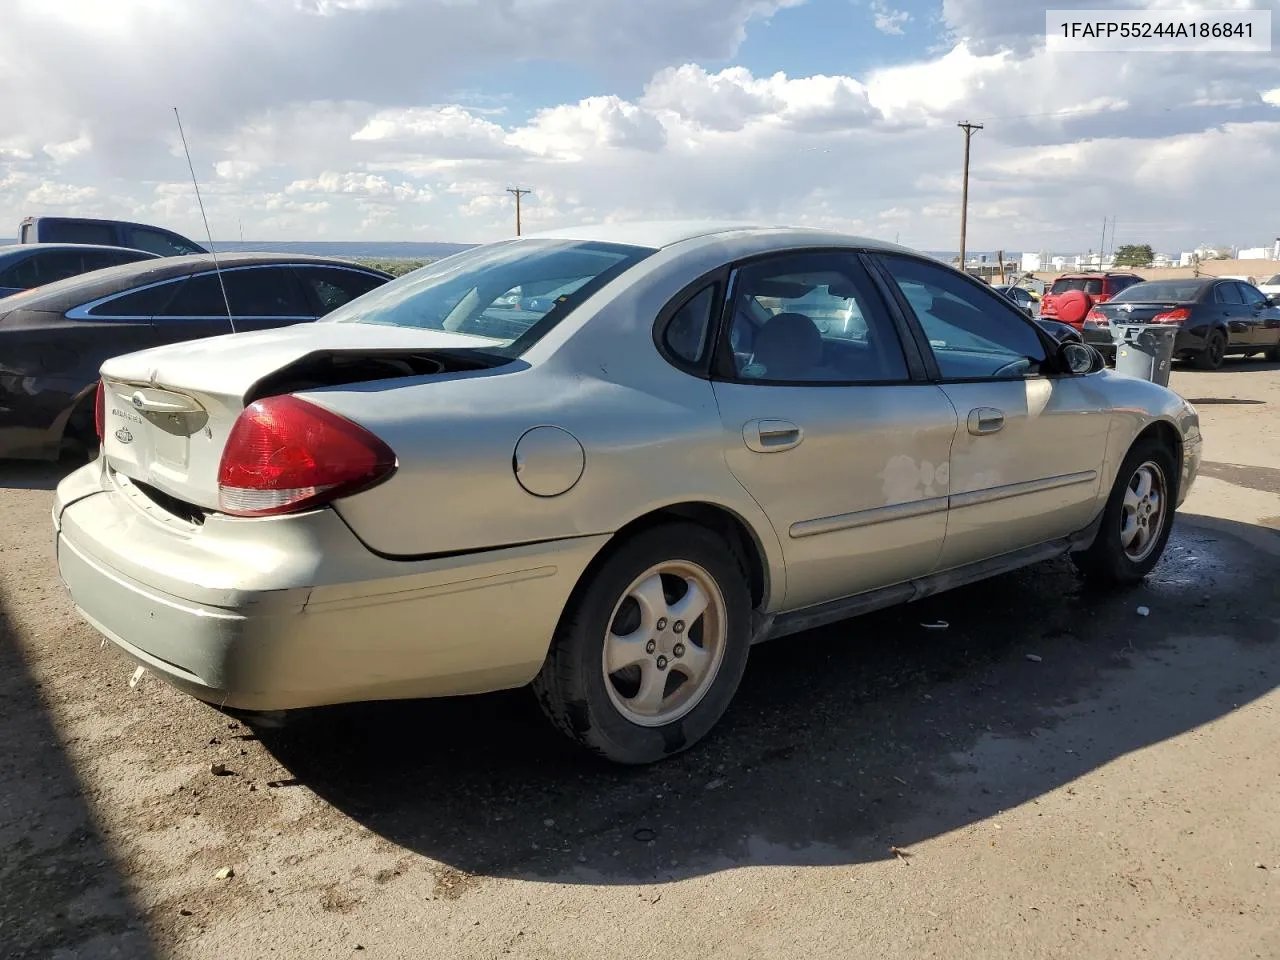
(80, 436)
(1214, 352)
(1274, 354)
(651, 648)
(1137, 519)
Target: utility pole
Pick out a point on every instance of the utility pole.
(968, 129)
(1102, 249)
(518, 193)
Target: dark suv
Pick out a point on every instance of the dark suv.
(109, 233)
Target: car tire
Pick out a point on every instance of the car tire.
(617, 615)
(1214, 352)
(1273, 354)
(1114, 558)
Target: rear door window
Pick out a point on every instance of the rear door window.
(198, 297)
(1227, 293)
(265, 292)
(59, 265)
(331, 287)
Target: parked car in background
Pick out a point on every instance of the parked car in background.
(413, 498)
(107, 233)
(54, 338)
(1271, 286)
(24, 266)
(1021, 296)
(1073, 294)
(1215, 317)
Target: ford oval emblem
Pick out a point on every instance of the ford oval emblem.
(138, 400)
(124, 436)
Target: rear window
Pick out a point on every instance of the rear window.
(1089, 285)
(1174, 290)
(507, 295)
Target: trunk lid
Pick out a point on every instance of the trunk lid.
(167, 411)
(1134, 312)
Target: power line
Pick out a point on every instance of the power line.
(968, 129)
(517, 192)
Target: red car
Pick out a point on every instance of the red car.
(1073, 295)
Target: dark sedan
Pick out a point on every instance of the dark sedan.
(1214, 317)
(25, 266)
(53, 339)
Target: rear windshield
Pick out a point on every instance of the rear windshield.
(1176, 291)
(1274, 281)
(507, 295)
(1090, 285)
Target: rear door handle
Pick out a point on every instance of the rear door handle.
(984, 420)
(771, 436)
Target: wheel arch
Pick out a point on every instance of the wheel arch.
(1169, 435)
(742, 538)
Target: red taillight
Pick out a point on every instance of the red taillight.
(285, 454)
(99, 411)
(1172, 316)
(1097, 318)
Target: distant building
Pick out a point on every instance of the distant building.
(1059, 263)
(1031, 262)
(1163, 260)
(1253, 253)
(1187, 259)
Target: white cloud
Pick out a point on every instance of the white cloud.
(237, 170)
(887, 20)
(1271, 96)
(364, 184)
(52, 194)
(70, 149)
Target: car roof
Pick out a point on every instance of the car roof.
(1092, 274)
(657, 234)
(65, 294)
(11, 248)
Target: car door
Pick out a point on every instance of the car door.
(266, 296)
(196, 309)
(827, 430)
(1263, 319)
(1027, 459)
(1228, 308)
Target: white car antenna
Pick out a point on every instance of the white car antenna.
(208, 233)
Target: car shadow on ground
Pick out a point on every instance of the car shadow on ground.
(1231, 365)
(840, 744)
(61, 894)
(35, 474)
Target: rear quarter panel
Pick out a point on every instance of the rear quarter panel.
(651, 434)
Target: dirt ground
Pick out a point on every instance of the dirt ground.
(1061, 776)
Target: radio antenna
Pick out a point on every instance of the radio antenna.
(217, 269)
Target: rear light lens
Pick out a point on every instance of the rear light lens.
(99, 411)
(1172, 316)
(285, 454)
(1096, 318)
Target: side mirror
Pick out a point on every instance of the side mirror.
(1080, 358)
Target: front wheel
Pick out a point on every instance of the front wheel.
(1137, 519)
(1214, 352)
(650, 649)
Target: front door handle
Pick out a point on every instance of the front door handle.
(984, 420)
(771, 436)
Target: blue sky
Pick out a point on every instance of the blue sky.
(407, 119)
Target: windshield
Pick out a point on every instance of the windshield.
(507, 295)
(1090, 285)
(1175, 290)
(1274, 281)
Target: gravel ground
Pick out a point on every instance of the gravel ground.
(1052, 775)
